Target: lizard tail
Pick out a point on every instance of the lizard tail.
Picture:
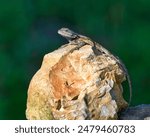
(130, 89)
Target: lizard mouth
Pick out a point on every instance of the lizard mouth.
(60, 32)
(65, 32)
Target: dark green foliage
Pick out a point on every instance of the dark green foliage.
(28, 30)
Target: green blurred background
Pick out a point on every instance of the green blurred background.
(28, 31)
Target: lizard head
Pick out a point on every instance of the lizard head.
(67, 33)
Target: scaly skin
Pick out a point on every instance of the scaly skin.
(80, 40)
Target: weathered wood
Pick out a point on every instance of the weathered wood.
(80, 80)
(76, 84)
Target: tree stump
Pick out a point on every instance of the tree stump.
(76, 84)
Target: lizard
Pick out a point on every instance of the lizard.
(80, 40)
